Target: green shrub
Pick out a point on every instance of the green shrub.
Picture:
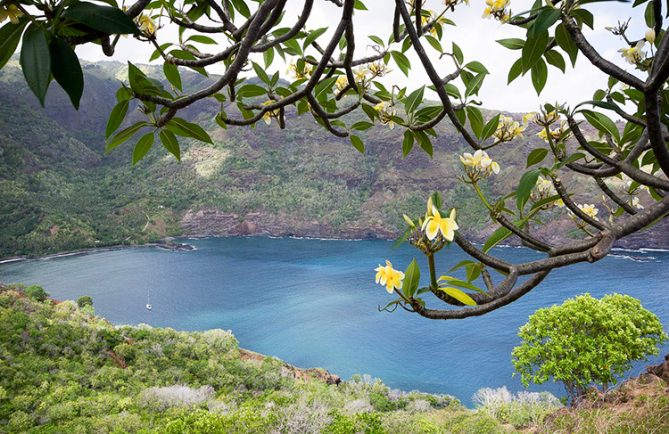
(84, 300)
(586, 341)
(36, 292)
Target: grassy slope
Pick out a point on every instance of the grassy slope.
(63, 369)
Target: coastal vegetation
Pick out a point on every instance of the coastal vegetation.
(64, 369)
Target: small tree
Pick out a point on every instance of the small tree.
(84, 300)
(36, 292)
(586, 341)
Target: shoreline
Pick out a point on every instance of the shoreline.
(171, 243)
(162, 244)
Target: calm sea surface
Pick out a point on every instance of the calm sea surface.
(314, 303)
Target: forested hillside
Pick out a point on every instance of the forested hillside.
(58, 191)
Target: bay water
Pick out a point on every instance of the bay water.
(314, 303)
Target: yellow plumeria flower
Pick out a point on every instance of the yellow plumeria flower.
(529, 117)
(11, 12)
(559, 203)
(497, 9)
(378, 69)
(479, 165)
(544, 186)
(299, 74)
(589, 210)
(435, 224)
(341, 82)
(386, 112)
(508, 129)
(146, 25)
(650, 36)
(635, 203)
(389, 277)
(634, 54)
(267, 116)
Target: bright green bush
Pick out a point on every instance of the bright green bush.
(586, 341)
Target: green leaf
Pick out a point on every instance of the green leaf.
(36, 61)
(539, 75)
(169, 141)
(142, 147)
(184, 128)
(434, 42)
(475, 120)
(515, 70)
(545, 19)
(411, 279)
(555, 59)
(457, 52)
(458, 295)
(602, 123)
(414, 99)
(402, 61)
(566, 43)
(66, 69)
(102, 18)
(424, 142)
(496, 237)
(251, 90)
(312, 36)
(525, 186)
(357, 143)
(477, 67)
(10, 35)
(362, 126)
(536, 156)
(475, 84)
(461, 283)
(260, 72)
(407, 142)
(268, 57)
(490, 128)
(124, 135)
(172, 74)
(201, 39)
(512, 43)
(533, 49)
(116, 117)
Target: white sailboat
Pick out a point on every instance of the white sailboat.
(148, 301)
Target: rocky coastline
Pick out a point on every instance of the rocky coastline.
(212, 222)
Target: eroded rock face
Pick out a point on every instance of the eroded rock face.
(213, 222)
(291, 371)
(661, 370)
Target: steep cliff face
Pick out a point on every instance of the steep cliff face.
(58, 191)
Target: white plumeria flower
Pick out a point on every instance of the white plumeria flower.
(650, 36)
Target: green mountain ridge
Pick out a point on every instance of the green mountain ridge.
(59, 192)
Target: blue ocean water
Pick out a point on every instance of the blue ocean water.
(314, 303)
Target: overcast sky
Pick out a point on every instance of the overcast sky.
(475, 35)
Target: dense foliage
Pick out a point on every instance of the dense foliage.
(586, 341)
